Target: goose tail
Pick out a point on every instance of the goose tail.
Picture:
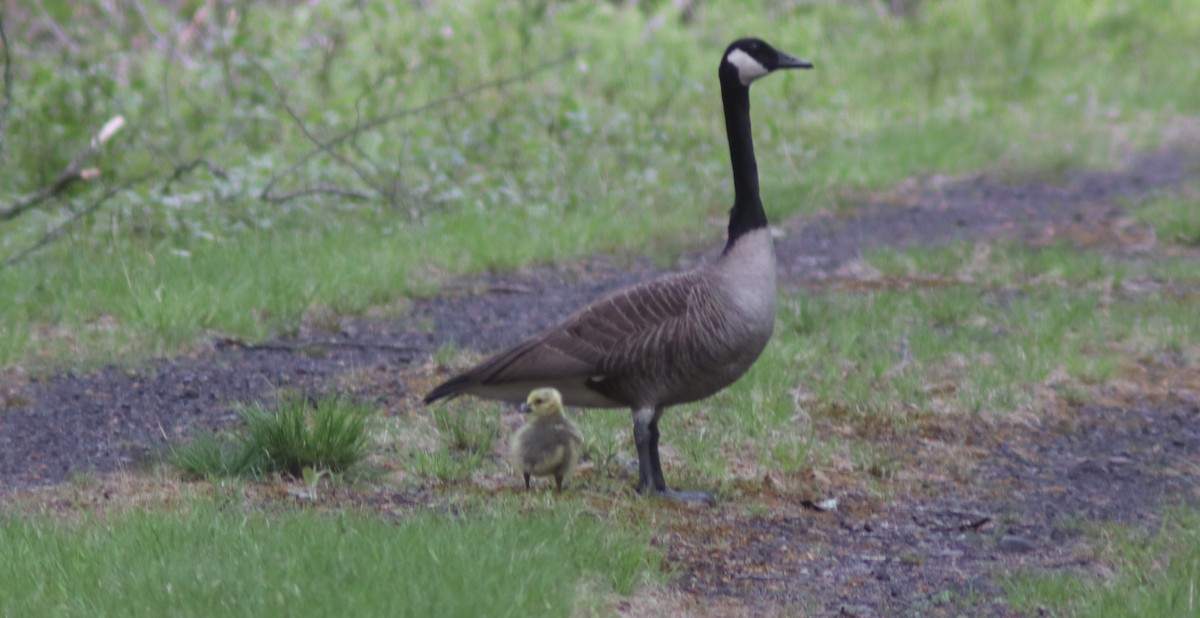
(450, 388)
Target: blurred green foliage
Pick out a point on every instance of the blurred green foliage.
(514, 132)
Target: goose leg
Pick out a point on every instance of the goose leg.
(643, 420)
(650, 475)
(656, 475)
(526, 480)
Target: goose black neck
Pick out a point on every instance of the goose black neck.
(747, 213)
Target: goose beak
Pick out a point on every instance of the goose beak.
(789, 62)
(525, 408)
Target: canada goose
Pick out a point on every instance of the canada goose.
(672, 340)
(549, 443)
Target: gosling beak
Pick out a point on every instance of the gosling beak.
(525, 408)
(790, 62)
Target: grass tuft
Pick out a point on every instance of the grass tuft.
(445, 465)
(470, 430)
(211, 456)
(327, 434)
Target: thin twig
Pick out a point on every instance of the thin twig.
(171, 49)
(305, 346)
(61, 228)
(396, 185)
(184, 168)
(62, 37)
(72, 173)
(362, 174)
(975, 525)
(499, 288)
(7, 87)
(457, 97)
(315, 190)
(353, 145)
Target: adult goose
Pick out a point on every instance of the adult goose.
(672, 340)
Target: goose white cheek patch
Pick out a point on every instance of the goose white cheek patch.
(748, 68)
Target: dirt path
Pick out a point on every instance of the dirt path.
(923, 555)
(935, 554)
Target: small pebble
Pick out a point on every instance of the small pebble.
(1014, 544)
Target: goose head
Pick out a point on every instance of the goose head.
(746, 60)
(543, 402)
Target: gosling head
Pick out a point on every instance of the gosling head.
(746, 60)
(543, 402)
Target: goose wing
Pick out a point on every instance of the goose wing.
(621, 334)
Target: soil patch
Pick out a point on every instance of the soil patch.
(940, 553)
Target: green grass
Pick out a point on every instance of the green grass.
(630, 130)
(1175, 218)
(446, 465)
(211, 456)
(330, 434)
(472, 431)
(1007, 264)
(466, 432)
(209, 559)
(1152, 575)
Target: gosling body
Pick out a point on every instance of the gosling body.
(548, 444)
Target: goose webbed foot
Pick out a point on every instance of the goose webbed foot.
(691, 496)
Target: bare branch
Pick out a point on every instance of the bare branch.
(61, 228)
(362, 174)
(500, 288)
(186, 168)
(172, 49)
(309, 346)
(62, 37)
(7, 87)
(396, 185)
(73, 172)
(315, 190)
(55, 233)
(457, 97)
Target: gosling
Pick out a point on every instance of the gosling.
(549, 443)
